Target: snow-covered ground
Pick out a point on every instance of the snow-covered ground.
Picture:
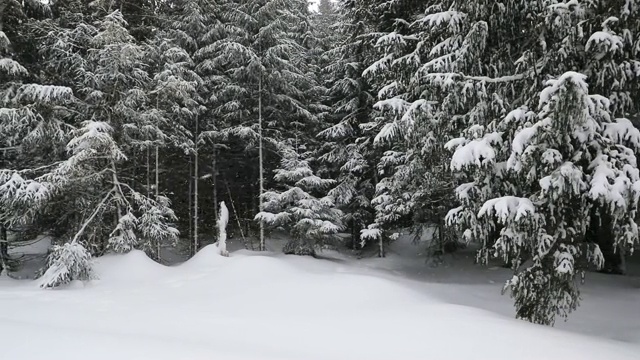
(271, 306)
(609, 302)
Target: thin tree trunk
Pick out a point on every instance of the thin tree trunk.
(195, 190)
(381, 239)
(260, 156)
(4, 244)
(117, 196)
(354, 238)
(623, 260)
(233, 207)
(441, 238)
(247, 225)
(157, 196)
(191, 204)
(215, 184)
(4, 249)
(148, 173)
(134, 171)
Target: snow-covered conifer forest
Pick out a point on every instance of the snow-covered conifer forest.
(446, 172)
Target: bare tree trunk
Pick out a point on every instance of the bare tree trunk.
(119, 198)
(247, 224)
(134, 171)
(215, 182)
(623, 260)
(260, 155)
(148, 173)
(233, 207)
(4, 249)
(381, 238)
(195, 190)
(354, 237)
(191, 203)
(4, 244)
(157, 196)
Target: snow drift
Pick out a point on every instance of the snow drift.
(251, 306)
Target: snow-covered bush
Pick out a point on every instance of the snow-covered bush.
(155, 225)
(123, 238)
(299, 247)
(67, 262)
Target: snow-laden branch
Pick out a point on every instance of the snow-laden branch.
(507, 208)
(486, 79)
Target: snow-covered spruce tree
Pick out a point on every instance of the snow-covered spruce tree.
(323, 36)
(118, 101)
(346, 151)
(326, 36)
(530, 190)
(415, 184)
(10, 70)
(466, 72)
(262, 92)
(89, 172)
(311, 218)
(613, 71)
(102, 209)
(17, 15)
(325, 26)
(575, 160)
(175, 101)
(32, 118)
(33, 131)
(193, 26)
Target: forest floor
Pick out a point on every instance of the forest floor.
(271, 306)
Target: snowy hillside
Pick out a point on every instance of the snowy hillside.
(266, 306)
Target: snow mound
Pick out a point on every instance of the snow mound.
(206, 258)
(132, 267)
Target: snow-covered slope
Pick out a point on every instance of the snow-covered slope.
(252, 306)
(608, 307)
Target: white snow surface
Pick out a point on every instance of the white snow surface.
(270, 306)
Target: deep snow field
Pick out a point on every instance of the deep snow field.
(271, 306)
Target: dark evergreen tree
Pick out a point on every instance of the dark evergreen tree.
(346, 151)
(33, 131)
